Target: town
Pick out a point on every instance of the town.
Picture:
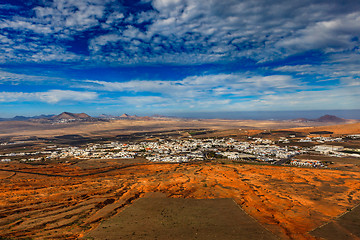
(172, 150)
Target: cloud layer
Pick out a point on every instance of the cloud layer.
(52, 96)
(181, 54)
(171, 31)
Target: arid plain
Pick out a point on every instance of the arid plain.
(112, 128)
(70, 199)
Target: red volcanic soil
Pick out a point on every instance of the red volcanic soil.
(67, 201)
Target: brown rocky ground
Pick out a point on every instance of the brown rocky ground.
(67, 201)
(155, 217)
(344, 227)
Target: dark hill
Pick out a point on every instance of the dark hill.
(68, 115)
(325, 118)
(330, 118)
(20, 118)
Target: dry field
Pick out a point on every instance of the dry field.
(345, 227)
(64, 201)
(118, 127)
(157, 217)
(340, 129)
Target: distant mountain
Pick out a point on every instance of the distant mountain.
(125, 116)
(68, 115)
(330, 118)
(83, 117)
(20, 118)
(325, 118)
(23, 118)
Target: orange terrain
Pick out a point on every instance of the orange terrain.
(68, 201)
(340, 129)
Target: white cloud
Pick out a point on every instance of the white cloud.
(235, 91)
(155, 102)
(349, 81)
(293, 68)
(145, 101)
(54, 96)
(333, 98)
(208, 85)
(51, 96)
(8, 6)
(103, 40)
(181, 32)
(70, 14)
(190, 32)
(337, 67)
(25, 25)
(331, 35)
(6, 77)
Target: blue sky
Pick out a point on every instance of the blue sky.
(174, 56)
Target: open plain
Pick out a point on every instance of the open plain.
(119, 127)
(71, 199)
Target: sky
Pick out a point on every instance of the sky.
(176, 56)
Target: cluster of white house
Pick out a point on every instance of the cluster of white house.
(24, 153)
(306, 163)
(198, 149)
(336, 151)
(321, 139)
(185, 150)
(174, 150)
